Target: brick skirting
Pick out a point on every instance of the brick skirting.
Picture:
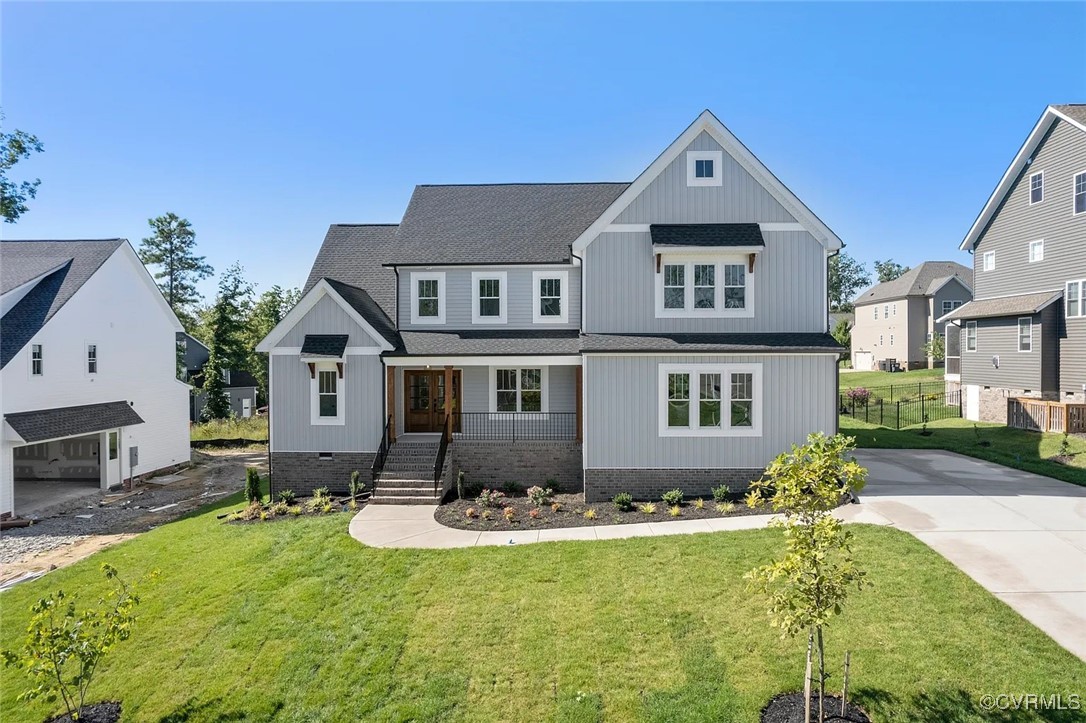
(648, 484)
(527, 463)
(303, 472)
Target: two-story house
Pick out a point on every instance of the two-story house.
(240, 389)
(669, 332)
(896, 319)
(1024, 333)
(88, 372)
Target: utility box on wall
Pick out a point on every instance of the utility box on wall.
(133, 457)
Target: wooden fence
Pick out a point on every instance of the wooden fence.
(1039, 415)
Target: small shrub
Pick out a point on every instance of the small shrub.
(470, 513)
(252, 485)
(623, 501)
(699, 504)
(326, 508)
(590, 514)
(648, 508)
(539, 495)
(322, 492)
(264, 515)
(486, 515)
(460, 485)
(295, 510)
(319, 500)
(488, 499)
(725, 507)
(555, 507)
(672, 498)
(859, 395)
(675, 510)
(252, 512)
(509, 513)
(1065, 446)
(279, 508)
(534, 513)
(720, 493)
(287, 496)
(356, 485)
(552, 485)
(510, 488)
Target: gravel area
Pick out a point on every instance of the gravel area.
(213, 475)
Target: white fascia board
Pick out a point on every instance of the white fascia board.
(710, 124)
(1021, 159)
(10, 435)
(710, 250)
(483, 361)
(305, 304)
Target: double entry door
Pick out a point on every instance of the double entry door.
(424, 400)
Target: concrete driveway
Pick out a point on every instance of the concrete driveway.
(1020, 535)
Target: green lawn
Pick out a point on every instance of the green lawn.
(1011, 447)
(885, 379)
(295, 621)
(237, 428)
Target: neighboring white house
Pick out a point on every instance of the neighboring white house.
(88, 386)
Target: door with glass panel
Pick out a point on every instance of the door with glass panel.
(424, 400)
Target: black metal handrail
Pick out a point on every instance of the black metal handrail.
(382, 453)
(514, 426)
(442, 448)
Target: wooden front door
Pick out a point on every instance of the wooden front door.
(424, 399)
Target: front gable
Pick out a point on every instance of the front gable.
(322, 311)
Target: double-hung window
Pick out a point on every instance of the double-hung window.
(489, 296)
(518, 390)
(695, 286)
(1075, 299)
(551, 297)
(1079, 191)
(1036, 251)
(949, 306)
(989, 261)
(970, 336)
(876, 308)
(37, 360)
(92, 358)
(427, 297)
(710, 400)
(1025, 334)
(1036, 187)
(327, 393)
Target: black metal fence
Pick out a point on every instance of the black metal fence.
(904, 392)
(905, 411)
(514, 426)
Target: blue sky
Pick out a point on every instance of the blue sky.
(264, 123)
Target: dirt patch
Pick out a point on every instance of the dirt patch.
(108, 712)
(572, 511)
(788, 708)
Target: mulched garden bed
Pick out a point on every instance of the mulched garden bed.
(571, 513)
(108, 712)
(301, 507)
(788, 708)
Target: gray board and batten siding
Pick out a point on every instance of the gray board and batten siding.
(327, 317)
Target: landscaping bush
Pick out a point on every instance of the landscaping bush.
(490, 498)
(675, 510)
(858, 395)
(511, 488)
(590, 514)
(539, 495)
(252, 485)
(623, 501)
(287, 496)
(553, 486)
(356, 485)
(699, 504)
(720, 494)
(648, 508)
(672, 498)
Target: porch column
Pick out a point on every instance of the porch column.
(448, 396)
(577, 386)
(390, 395)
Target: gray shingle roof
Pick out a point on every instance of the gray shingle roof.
(503, 223)
(42, 424)
(364, 304)
(498, 343)
(324, 344)
(26, 318)
(1006, 306)
(1073, 110)
(353, 254)
(916, 282)
(706, 234)
(731, 343)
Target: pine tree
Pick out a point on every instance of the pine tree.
(228, 350)
(172, 249)
(268, 311)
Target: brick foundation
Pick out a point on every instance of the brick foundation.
(303, 472)
(648, 484)
(527, 463)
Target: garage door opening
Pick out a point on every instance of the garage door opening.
(49, 474)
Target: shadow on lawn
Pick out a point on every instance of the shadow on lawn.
(954, 705)
(193, 709)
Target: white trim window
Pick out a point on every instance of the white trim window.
(518, 390)
(1036, 251)
(895, 308)
(1078, 190)
(697, 285)
(37, 360)
(1036, 187)
(427, 297)
(891, 340)
(989, 261)
(970, 336)
(880, 340)
(92, 358)
(710, 400)
(876, 308)
(326, 394)
(1074, 301)
(489, 297)
(949, 306)
(551, 305)
(1025, 334)
(704, 168)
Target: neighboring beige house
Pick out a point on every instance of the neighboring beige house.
(895, 319)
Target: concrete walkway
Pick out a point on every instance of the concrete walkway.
(1020, 535)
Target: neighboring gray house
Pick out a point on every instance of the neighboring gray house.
(240, 386)
(896, 319)
(670, 332)
(1024, 335)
